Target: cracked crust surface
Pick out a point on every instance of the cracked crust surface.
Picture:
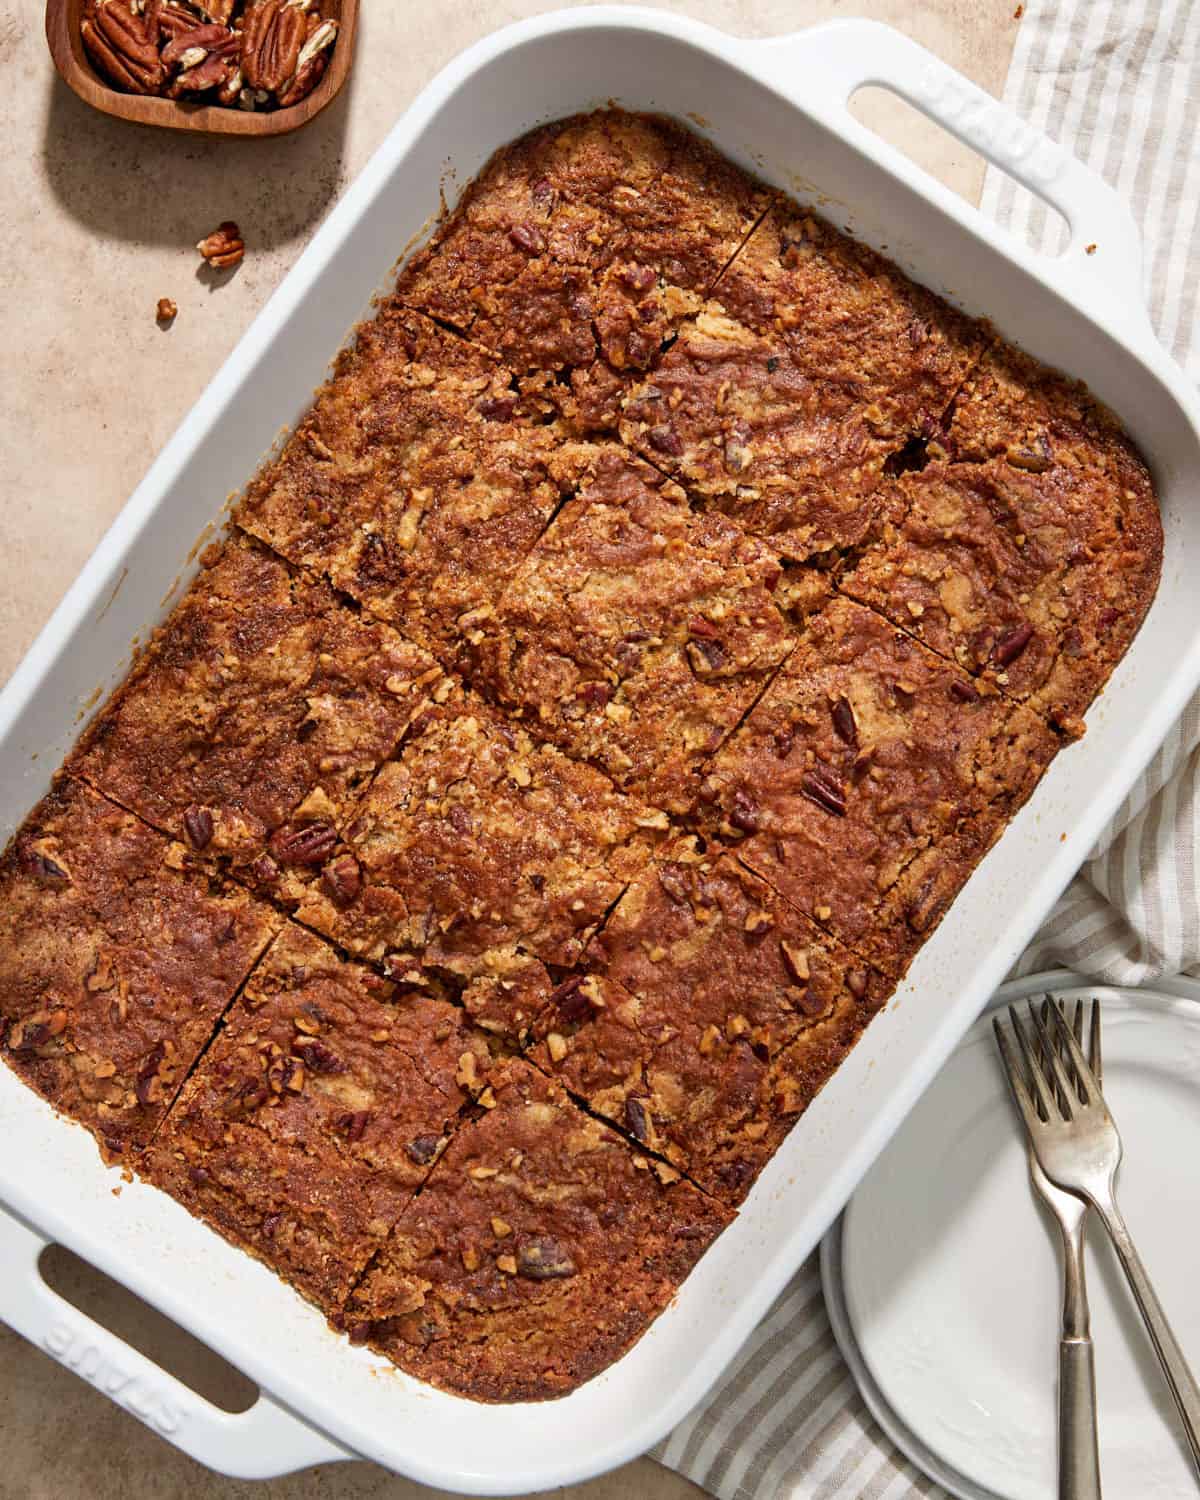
(866, 752)
(486, 853)
(688, 1031)
(316, 1113)
(117, 959)
(539, 1250)
(648, 502)
(637, 633)
(263, 706)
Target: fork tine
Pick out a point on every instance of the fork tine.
(1094, 1056)
(1050, 1110)
(1066, 1087)
(1012, 1068)
(1076, 1018)
(1087, 1079)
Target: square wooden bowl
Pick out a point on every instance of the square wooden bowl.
(66, 48)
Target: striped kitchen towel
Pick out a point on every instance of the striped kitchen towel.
(1118, 83)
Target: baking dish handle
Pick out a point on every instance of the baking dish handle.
(260, 1443)
(1104, 253)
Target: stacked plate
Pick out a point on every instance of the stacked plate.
(942, 1278)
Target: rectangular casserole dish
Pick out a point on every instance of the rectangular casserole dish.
(778, 107)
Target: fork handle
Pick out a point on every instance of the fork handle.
(1078, 1458)
(1179, 1377)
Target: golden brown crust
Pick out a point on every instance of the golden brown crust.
(538, 1251)
(866, 751)
(485, 853)
(636, 633)
(316, 1113)
(851, 574)
(703, 979)
(117, 959)
(262, 708)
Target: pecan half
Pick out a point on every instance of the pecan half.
(308, 846)
(314, 55)
(273, 32)
(123, 43)
(224, 247)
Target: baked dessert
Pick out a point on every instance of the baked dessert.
(118, 957)
(636, 634)
(538, 1250)
(595, 704)
(319, 1109)
(711, 1007)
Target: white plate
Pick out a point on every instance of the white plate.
(950, 1273)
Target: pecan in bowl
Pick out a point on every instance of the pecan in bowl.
(255, 55)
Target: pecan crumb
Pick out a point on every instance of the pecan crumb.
(166, 311)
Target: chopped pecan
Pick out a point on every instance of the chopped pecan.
(148, 1075)
(424, 1148)
(542, 1258)
(1009, 646)
(316, 1056)
(198, 824)
(962, 690)
(825, 790)
(39, 865)
(664, 439)
(673, 879)
(572, 1002)
(637, 1121)
(744, 812)
(528, 237)
(843, 721)
(353, 1124)
(342, 878)
(166, 311)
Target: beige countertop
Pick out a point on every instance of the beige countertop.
(100, 220)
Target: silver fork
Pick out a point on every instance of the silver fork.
(1078, 1453)
(1078, 1148)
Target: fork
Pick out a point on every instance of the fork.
(1078, 1455)
(1079, 1149)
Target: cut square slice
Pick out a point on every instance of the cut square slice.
(479, 850)
(582, 194)
(1037, 580)
(539, 1250)
(317, 1113)
(785, 452)
(853, 322)
(417, 481)
(116, 962)
(636, 634)
(867, 751)
(258, 714)
(703, 978)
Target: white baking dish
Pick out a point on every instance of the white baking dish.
(779, 107)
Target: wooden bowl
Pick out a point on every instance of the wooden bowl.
(74, 65)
